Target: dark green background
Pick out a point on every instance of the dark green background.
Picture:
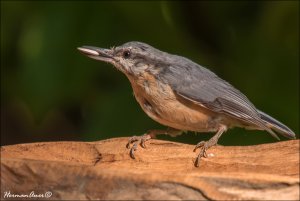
(49, 91)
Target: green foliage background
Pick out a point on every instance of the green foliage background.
(51, 92)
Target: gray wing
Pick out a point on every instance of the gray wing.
(203, 87)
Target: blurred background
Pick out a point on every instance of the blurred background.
(51, 92)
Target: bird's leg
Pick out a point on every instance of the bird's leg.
(147, 136)
(205, 145)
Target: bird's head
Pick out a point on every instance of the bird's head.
(132, 58)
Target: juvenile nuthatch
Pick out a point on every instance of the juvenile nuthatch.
(183, 95)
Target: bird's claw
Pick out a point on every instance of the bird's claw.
(131, 140)
(137, 140)
(132, 150)
(199, 145)
(203, 146)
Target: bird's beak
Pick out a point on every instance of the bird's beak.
(97, 53)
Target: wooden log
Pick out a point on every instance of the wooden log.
(163, 171)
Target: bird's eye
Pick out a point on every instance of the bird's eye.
(126, 54)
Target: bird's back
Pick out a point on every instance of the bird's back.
(204, 88)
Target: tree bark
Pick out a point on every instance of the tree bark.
(163, 171)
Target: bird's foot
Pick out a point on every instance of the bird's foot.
(137, 140)
(203, 146)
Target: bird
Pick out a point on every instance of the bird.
(183, 96)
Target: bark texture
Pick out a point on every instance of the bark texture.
(162, 171)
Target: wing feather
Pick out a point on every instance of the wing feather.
(205, 88)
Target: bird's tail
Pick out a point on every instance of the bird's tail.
(277, 126)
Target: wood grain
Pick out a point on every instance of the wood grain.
(162, 171)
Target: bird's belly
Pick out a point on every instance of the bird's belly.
(178, 116)
(161, 104)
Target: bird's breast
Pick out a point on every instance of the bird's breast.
(159, 102)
